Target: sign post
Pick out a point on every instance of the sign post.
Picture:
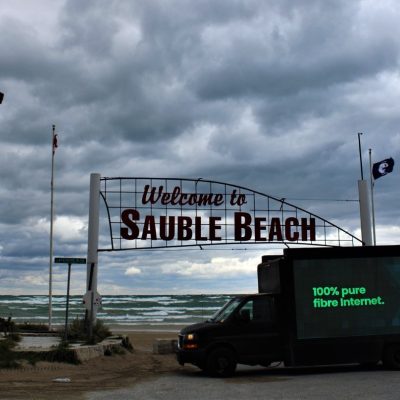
(69, 261)
(92, 254)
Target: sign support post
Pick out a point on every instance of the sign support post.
(371, 182)
(69, 261)
(67, 306)
(93, 241)
(365, 212)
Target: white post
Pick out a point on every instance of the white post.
(365, 212)
(93, 240)
(372, 197)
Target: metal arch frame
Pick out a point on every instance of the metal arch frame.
(351, 238)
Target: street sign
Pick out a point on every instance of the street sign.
(69, 260)
(87, 300)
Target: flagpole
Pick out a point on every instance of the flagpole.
(372, 197)
(51, 228)
(365, 212)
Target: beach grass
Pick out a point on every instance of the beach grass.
(78, 331)
(8, 357)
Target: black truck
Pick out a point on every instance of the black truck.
(315, 306)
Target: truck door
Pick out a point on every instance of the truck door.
(255, 332)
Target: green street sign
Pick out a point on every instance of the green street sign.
(69, 260)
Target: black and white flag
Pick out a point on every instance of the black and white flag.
(382, 168)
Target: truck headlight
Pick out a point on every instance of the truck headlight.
(190, 341)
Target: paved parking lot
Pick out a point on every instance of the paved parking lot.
(348, 382)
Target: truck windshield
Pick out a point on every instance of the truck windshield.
(222, 314)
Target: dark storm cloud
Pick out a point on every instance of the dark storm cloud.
(268, 95)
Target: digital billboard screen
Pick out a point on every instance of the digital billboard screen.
(347, 296)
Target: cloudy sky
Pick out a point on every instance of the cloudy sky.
(269, 95)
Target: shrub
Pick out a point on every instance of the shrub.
(7, 326)
(62, 353)
(78, 331)
(14, 337)
(7, 356)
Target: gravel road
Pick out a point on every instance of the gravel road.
(348, 382)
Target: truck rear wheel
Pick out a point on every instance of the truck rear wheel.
(391, 357)
(221, 362)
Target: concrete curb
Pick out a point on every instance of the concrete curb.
(82, 353)
(87, 352)
(165, 346)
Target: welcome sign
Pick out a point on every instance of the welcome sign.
(166, 212)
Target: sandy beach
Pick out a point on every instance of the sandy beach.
(107, 372)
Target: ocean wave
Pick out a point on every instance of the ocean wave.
(157, 313)
(31, 319)
(177, 309)
(137, 298)
(144, 309)
(147, 318)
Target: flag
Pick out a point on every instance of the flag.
(55, 143)
(382, 168)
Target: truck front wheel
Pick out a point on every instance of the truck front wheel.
(391, 357)
(221, 362)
